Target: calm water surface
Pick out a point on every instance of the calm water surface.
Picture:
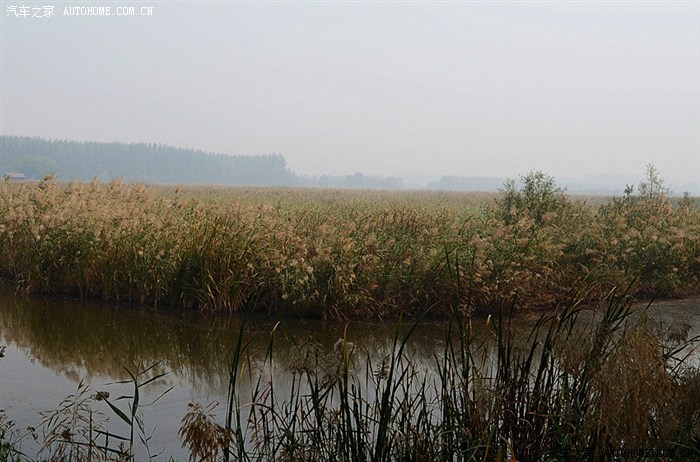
(52, 344)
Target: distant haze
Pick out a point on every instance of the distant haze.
(417, 90)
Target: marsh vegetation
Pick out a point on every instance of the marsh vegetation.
(332, 254)
(577, 383)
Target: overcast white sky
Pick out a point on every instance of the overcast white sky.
(411, 89)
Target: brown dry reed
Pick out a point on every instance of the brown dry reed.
(546, 397)
(334, 254)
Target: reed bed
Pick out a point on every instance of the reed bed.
(571, 390)
(338, 254)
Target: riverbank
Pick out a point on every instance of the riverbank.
(333, 254)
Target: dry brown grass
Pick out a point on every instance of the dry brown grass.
(200, 433)
(323, 253)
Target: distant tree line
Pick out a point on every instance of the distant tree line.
(157, 163)
(147, 162)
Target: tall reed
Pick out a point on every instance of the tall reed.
(341, 255)
(573, 388)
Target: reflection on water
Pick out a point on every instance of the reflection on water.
(52, 344)
(75, 339)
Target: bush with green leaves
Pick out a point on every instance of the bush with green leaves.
(534, 196)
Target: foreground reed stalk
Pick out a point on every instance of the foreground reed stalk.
(581, 385)
(573, 390)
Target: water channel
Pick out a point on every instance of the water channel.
(52, 344)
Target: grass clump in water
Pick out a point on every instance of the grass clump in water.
(574, 387)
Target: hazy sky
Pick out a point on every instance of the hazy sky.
(411, 89)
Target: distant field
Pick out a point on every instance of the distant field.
(343, 253)
(322, 197)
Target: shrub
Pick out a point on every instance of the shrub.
(537, 196)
